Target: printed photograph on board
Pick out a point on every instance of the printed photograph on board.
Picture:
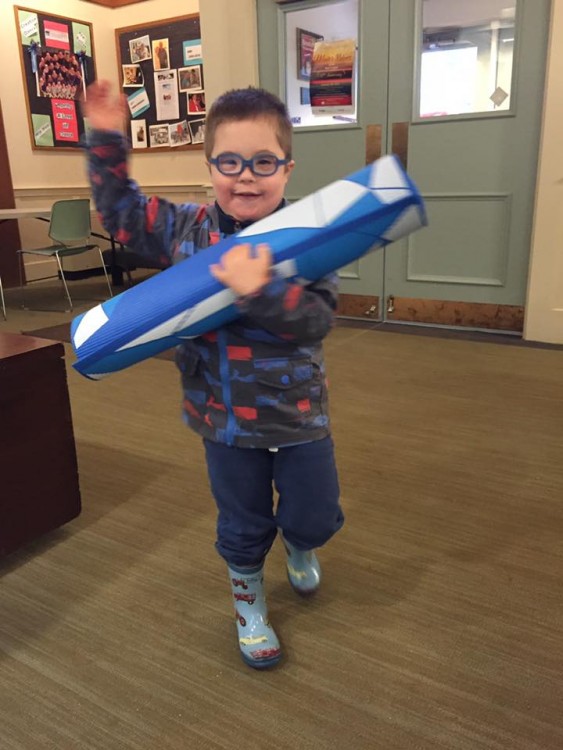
(132, 76)
(160, 54)
(197, 130)
(196, 103)
(180, 134)
(59, 75)
(139, 133)
(159, 135)
(140, 49)
(189, 79)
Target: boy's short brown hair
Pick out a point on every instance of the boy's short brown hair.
(248, 104)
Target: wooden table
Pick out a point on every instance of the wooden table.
(42, 212)
(39, 488)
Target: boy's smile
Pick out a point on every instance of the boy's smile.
(247, 197)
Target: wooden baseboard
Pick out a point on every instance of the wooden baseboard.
(436, 312)
(358, 306)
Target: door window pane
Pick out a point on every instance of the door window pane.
(323, 22)
(466, 56)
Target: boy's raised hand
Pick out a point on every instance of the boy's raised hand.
(104, 110)
(244, 268)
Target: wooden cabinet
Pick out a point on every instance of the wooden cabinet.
(39, 488)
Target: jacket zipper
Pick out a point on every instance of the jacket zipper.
(225, 380)
(226, 385)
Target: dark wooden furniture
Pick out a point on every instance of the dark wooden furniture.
(9, 231)
(39, 488)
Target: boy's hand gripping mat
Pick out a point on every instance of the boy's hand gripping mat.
(308, 239)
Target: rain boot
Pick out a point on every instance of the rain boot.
(258, 643)
(303, 569)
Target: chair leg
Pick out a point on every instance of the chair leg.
(2, 300)
(64, 281)
(22, 285)
(105, 273)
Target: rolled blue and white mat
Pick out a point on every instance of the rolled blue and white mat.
(308, 239)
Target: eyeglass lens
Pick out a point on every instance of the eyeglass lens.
(260, 164)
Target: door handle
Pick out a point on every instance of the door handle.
(373, 143)
(400, 141)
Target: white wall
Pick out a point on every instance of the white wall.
(37, 169)
(229, 43)
(544, 306)
(230, 60)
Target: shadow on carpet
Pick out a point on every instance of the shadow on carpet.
(62, 333)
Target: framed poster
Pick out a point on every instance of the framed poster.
(162, 74)
(305, 45)
(57, 61)
(332, 86)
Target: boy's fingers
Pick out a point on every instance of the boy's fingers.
(241, 251)
(263, 252)
(244, 252)
(216, 270)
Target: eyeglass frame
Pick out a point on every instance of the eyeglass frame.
(247, 163)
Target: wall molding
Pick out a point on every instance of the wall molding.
(187, 191)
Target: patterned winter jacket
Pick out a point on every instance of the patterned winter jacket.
(258, 382)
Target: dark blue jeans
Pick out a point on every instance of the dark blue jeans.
(242, 481)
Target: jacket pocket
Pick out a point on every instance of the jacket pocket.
(284, 374)
(287, 390)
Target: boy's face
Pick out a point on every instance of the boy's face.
(247, 197)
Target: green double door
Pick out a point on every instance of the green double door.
(456, 89)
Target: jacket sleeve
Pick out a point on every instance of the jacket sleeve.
(150, 226)
(299, 314)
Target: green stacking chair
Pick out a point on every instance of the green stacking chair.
(70, 230)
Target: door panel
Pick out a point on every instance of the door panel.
(325, 154)
(476, 170)
(477, 175)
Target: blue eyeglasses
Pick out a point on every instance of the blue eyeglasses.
(262, 164)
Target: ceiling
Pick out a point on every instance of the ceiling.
(114, 3)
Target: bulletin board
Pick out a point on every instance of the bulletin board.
(57, 61)
(161, 74)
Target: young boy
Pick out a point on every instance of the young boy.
(255, 390)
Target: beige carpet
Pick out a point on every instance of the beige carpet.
(438, 625)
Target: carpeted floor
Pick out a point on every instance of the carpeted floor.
(438, 624)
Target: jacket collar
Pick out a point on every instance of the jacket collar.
(229, 225)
